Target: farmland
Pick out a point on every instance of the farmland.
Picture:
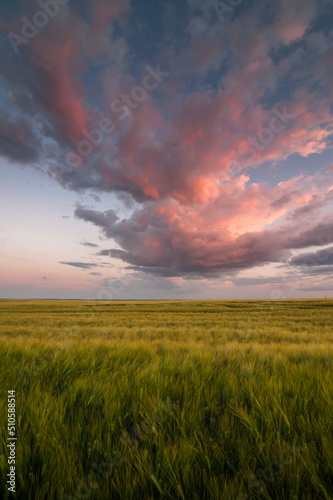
(169, 399)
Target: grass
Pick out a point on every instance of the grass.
(169, 400)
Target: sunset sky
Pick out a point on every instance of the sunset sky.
(174, 149)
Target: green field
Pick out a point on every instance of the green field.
(169, 400)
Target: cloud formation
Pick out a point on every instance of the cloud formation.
(219, 235)
(179, 143)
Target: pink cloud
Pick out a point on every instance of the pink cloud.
(103, 11)
(238, 228)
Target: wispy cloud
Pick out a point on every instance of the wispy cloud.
(82, 265)
(88, 244)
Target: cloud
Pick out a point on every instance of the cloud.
(162, 239)
(319, 235)
(82, 265)
(240, 282)
(95, 274)
(325, 271)
(322, 257)
(88, 244)
(96, 198)
(18, 143)
(45, 278)
(319, 288)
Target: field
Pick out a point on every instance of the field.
(169, 400)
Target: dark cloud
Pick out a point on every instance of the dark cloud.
(82, 265)
(88, 244)
(319, 235)
(98, 218)
(95, 274)
(322, 257)
(319, 288)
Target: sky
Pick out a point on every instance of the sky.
(177, 149)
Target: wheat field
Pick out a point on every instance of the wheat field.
(169, 399)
